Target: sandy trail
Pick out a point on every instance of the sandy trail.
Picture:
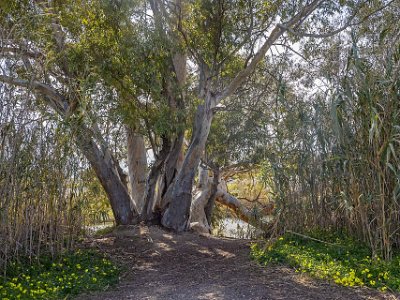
(163, 265)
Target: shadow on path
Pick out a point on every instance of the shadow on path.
(163, 265)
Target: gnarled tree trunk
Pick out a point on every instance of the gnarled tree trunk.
(161, 176)
(177, 214)
(209, 208)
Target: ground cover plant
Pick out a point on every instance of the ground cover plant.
(58, 279)
(334, 257)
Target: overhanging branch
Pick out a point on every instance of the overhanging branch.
(54, 99)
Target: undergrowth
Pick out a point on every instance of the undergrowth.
(339, 258)
(58, 279)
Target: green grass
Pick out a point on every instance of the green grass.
(63, 278)
(343, 261)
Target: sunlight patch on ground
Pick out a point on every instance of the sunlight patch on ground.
(224, 253)
(304, 280)
(205, 251)
(168, 236)
(212, 295)
(163, 246)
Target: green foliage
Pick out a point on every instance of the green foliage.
(60, 278)
(341, 259)
(332, 159)
(93, 202)
(220, 213)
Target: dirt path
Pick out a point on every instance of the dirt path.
(162, 265)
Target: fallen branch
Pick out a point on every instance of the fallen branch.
(241, 211)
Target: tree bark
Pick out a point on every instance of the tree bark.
(177, 214)
(198, 218)
(208, 209)
(137, 167)
(173, 163)
(150, 212)
(162, 175)
(123, 208)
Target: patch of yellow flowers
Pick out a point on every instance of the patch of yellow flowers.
(346, 265)
(78, 272)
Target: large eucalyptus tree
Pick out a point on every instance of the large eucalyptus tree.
(162, 63)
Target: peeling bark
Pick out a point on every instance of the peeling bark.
(173, 163)
(161, 177)
(198, 217)
(151, 212)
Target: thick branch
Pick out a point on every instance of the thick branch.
(55, 100)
